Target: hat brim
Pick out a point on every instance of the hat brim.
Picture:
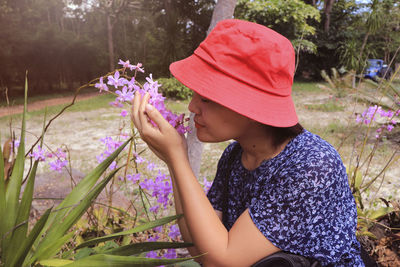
(197, 75)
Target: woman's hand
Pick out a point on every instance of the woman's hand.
(162, 139)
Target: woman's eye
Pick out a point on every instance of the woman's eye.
(204, 100)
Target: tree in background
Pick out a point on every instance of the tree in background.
(376, 35)
(224, 9)
(65, 42)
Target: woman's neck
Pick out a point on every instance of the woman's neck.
(258, 145)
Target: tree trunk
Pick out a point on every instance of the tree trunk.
(328, 4)
(110, 43)
(363, 46)
(223, 10)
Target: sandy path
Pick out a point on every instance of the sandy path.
(5, 111)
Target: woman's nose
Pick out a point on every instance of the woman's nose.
(193, 105)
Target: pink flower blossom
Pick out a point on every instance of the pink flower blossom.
(126, 64)
(39, 154)
(102, 86)
(115, 80)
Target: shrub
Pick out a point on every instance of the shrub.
(172, 88)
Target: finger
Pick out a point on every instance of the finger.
(135, 109)
(141, 113)
(156, 116)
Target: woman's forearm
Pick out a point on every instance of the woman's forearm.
(181, 221)
(205, 227)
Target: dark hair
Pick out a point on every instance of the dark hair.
(281, 134)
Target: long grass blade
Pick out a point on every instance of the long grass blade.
(84, 186)
(2, 199)
(26, 244)
(26, 202)
(50, 245)
(137, 248)
(14, 184)
(140, 228)
(55, 262)
(19, 234)
(121, 261)
(74, 200)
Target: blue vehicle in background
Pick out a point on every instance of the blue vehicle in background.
(377, 68)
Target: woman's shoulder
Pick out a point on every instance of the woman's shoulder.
(310, 162)
(309, 147)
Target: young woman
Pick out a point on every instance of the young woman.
(279, 186)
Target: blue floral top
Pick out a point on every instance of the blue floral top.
(300, 200)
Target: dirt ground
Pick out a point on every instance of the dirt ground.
(37, 105)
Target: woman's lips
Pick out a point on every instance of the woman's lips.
(198, 125)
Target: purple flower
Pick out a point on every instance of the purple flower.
(124, 113)
(102, 86)
(206, 185)
(126, 64)
(390, 127)
(124, 95)
(15, 144)
(113, 165)
(115, 80)
(134, 177)
(170, 254)
(154, 209)
(158, 229)
(174, 232)
(116, 104)
(58, 164)
(138, 67)
(151, 166)
(132, 84)
(139, 159)
(152, 254)
(153, 238)
(39, 154)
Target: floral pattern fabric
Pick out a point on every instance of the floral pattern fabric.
(300, 200)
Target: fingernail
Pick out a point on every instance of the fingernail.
(149, 107)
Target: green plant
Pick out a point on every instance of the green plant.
(22, 246)
(339, 85)
(365, 144)
(172, 88)
(329, 106)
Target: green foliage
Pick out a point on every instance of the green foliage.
(339, 85)
(330, 106)
(21, 247)
(290, 18)
(172, 88)
(62, 44)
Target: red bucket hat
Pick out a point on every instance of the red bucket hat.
(245, 67)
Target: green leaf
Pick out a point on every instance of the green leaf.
(83, 253)
(26, 244)
(52, 248)
(19, 234)
(50, 244)
(2, 197)
(102, 260)
(74, 205)
(137, 248)
(358, 180)
(55, 262)
(14, 184)
(85, 185)
(143, 227)
(376, 214)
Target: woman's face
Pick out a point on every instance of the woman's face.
(216, 123)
